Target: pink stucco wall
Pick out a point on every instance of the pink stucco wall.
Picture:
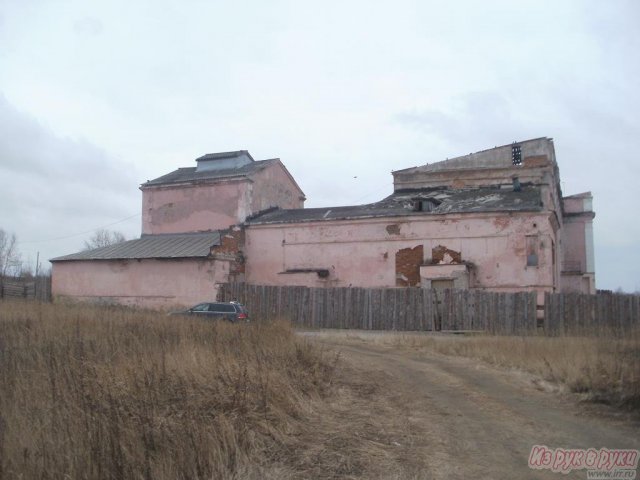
(578, 269)
(578, 283)
(195, 207)
(145, 283)
(218, 204)
(362, 252)
(581, 202)
(573, 237)
(273, 186)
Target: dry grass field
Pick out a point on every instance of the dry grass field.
(114, 393)
(111, 393)
(603, 368)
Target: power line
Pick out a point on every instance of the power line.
(82, 233)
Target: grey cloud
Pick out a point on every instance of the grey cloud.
(54, 187)
(480, 119)
(27, 147)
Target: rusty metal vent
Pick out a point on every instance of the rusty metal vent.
(516, 155)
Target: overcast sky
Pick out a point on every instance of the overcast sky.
(98, 96)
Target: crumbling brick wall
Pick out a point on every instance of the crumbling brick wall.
(232, 246)
(408, 261)
(442, 254)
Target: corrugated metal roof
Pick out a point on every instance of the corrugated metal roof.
(189, 174)
(183, 245)
(402, 204)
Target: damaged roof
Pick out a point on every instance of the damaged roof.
(169, 245)
(190, 174)
(416, 202)
(497, 157)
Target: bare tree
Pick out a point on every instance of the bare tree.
(10, 262)
(103, 238)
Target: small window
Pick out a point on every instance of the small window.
(532, 251)
(516, 155)
(222, 307)
(425, 204)
(203, 307)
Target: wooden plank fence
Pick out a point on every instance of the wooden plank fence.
(407, 309)
(38, 288)
(401, 309)
(575, 313)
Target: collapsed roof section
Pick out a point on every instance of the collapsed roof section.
(416, 202)
(531, 161)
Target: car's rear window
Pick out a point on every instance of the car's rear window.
(221, 307)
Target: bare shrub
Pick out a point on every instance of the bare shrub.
(104, 238)
(10, 260)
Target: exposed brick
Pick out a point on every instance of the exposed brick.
(536, 161)
(408, 261)
(232, 245)
(438, 255)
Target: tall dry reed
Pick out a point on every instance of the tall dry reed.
(111, 393)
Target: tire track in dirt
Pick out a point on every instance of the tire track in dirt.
(483, 421)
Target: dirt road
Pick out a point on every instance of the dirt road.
(478, 421)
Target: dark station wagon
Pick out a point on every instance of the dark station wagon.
(229, 311)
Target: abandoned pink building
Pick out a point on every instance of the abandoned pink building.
(183, 253)
(493, 220)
